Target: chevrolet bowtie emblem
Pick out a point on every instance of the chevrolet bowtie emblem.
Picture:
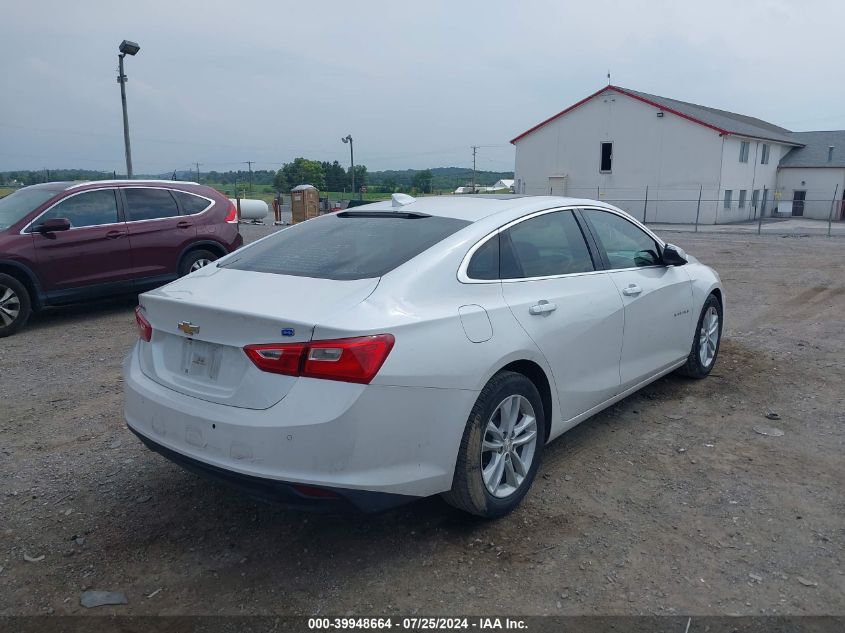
(188, 328)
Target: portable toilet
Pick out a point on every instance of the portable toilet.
(304, 203)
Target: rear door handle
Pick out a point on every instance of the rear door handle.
(542, 307)
(632, 290)
(113, 235)
(184, 224)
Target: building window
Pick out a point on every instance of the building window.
(755, 198)
(742, 193)
(728, 195)
(764, 155)
(606, 157)
(743, 151)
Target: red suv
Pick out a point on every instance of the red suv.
(63, 242)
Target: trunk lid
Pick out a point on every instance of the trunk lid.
(202, 322)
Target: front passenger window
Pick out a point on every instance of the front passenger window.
(89, 208)
(624, 243)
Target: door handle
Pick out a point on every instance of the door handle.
(184, 224)
(632, 290)
(542, 307)
(113, 235)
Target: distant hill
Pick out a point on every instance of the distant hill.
(444, 178)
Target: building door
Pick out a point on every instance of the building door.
(842, 208)
(798, 198)
(557, 185)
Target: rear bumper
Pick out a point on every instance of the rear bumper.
(286, 493)
(398, 441)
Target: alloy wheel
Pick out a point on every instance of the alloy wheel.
(200, 263)
(708, 337)
(507, 450)
(10, 306)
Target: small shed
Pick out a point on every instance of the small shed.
(304, 203)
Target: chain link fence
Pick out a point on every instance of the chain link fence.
(701, 206)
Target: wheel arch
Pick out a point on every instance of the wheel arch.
(537, 375)
(203, 245)
(27, 278)
(716, 291)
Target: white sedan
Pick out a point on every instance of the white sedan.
(414, 347)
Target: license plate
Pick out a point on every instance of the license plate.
(200, 359)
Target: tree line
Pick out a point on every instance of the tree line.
(324, 175)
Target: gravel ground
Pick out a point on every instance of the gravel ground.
(669, 502)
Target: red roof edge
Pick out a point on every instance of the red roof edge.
(627, 94)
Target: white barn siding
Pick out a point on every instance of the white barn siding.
(819, 183)
(749, 176)
(670, 154)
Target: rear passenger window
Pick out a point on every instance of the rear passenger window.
(190, 203)
(149, 204)
(90, 208)
(485, 262)
(549, 244)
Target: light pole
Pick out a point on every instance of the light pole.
(126, 48)
(348, 139)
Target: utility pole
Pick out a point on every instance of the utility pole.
(122, 79)
(126, 48)
(474, 149)
(250, 162)
(198, 170)
(348, 139)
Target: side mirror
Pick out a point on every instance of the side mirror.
(53, 224)
(674, 256)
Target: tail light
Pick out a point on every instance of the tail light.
(232, 217)
(277, 358)
(347, 359)
(145, 330)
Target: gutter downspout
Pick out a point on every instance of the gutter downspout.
(754, 173)
(719, 188)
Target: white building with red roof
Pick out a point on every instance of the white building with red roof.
(654, 156)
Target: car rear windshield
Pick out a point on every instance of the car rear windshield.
(341, 246)
(16, 205)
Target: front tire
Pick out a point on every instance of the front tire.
(195, 260)
(15, 305)
(501, 448)
(705, 341)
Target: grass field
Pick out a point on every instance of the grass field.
(261, 192)
(5, 191)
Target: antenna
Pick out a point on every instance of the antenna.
(608, 77)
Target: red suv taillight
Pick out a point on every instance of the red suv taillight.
(145, 330)
(347, 359)
(232, 217)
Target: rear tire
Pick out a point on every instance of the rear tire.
(705, 340)
(15, 305)
(501, 448)
(195, 260)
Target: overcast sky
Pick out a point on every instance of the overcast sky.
(415, 83)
